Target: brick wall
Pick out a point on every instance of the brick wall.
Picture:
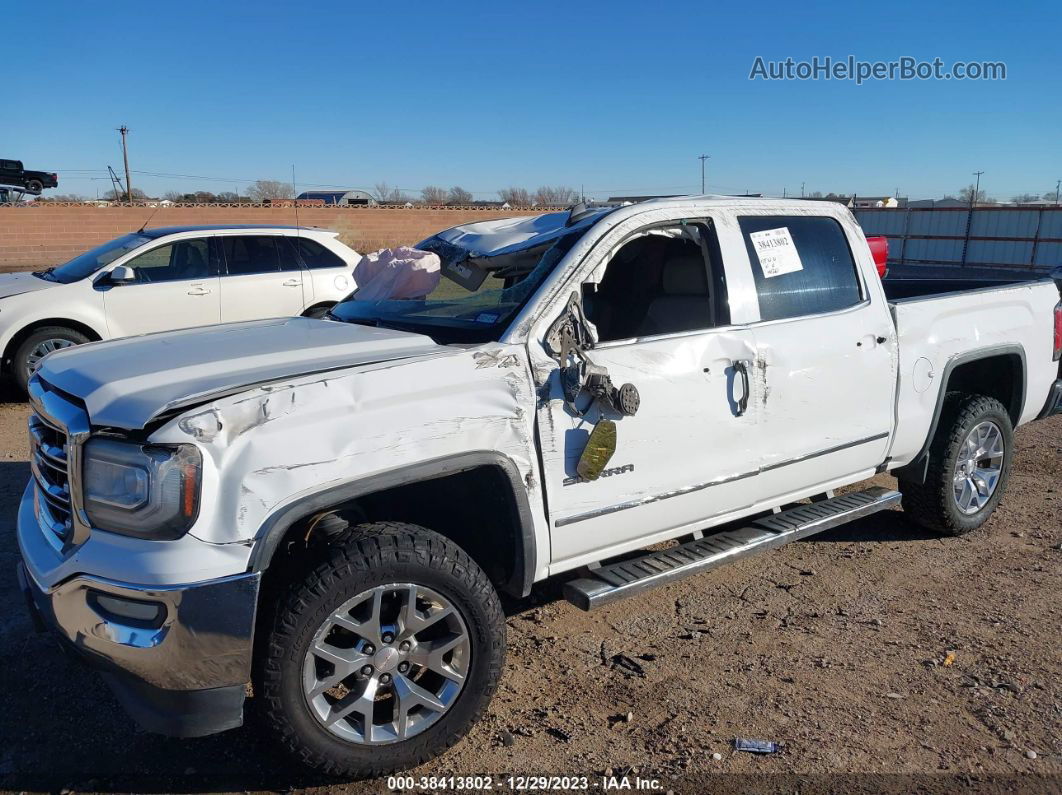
(37, 236)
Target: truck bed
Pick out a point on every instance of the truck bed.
(906, 289)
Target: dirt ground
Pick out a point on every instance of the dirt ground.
(880, 656)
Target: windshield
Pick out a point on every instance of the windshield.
(91, 261)
(452, 313)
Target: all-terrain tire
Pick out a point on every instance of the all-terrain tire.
(933, 504)
(367, 556)
(34, 186)
(20, 363)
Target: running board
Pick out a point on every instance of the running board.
(627, 578)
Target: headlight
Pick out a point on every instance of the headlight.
(148, 491)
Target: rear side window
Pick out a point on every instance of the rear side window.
(802, 265)
(249, 254)
(314, 255)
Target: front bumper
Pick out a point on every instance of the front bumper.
(1054, 401)
(182, 672)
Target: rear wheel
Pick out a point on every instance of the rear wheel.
(969, 464)
(34, 186)
(38, 345)
(384, 655)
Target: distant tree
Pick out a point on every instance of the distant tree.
(173, 196)
(966, 195)
(555, 196)
(1051, 196)
(62, 197)
(204, 197)
(385, 194)
(1025, 198)
(112, 195)
(227, 197)
(458, 195)
(270, 189)
(517, 197)
(434, 195)
(815, 194)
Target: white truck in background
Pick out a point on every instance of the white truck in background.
(329, 508)
(170, 278)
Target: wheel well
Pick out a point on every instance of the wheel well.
(476, 508)
(18, 339)
(321, 305)
(1001, 377)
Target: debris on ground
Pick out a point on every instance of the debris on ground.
(756, 746)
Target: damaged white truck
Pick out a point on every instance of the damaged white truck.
(317, 516)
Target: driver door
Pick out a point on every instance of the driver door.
(176, 287)
(689, 453)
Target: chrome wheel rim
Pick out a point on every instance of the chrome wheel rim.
(978, 467)
(42, 349)
(387, 664)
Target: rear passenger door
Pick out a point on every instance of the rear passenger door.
(826, 351)
(262, 278)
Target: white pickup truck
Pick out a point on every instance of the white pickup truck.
(170, 278)
(328, 509)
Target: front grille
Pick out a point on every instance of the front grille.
(49, 449)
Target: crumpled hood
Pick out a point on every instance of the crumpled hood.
(18, 283)
(125, 383)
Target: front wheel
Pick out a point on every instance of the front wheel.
(38, 345)
(969, 464)
(384, 655)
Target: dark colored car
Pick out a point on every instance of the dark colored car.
(12, 173)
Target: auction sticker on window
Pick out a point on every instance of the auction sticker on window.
(776, 252)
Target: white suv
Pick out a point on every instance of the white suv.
(170, 278)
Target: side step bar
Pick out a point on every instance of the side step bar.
(627, 578)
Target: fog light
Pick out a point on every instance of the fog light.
(117, 607)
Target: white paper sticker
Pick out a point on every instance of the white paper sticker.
(776, 252)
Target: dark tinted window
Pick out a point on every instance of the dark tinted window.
(314, 255)
(181, 261)
(820, 277)
(247, 254)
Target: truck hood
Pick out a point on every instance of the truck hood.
(18, 283)
(128, 382)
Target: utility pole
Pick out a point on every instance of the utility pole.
(1057, 183)
(801, 190)
(702, 158)
(977, 188)
(125, 156)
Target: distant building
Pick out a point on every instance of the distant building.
(339, 196)
(930, 203)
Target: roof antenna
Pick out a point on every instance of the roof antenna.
(140, 231)
(295, 199)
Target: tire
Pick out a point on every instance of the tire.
(318, 311)
(34, 186)
(369, 559)
(27, 355)
(937, 503)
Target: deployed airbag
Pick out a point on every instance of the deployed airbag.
(396, 273)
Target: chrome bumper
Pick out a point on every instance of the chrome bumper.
(182, 667)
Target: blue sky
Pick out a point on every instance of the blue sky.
(618, 97)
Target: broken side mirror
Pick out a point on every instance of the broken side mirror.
(600, 448)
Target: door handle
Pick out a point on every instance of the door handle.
(293, 283)
(742, 367)
(199, 291)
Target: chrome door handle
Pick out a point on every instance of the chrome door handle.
(742, 367)
(293, 283)
(199, 291)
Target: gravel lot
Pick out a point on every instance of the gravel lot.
(876, 649)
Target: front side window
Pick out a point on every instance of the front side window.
(658, 282)
(183, 260)
(802, 265)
